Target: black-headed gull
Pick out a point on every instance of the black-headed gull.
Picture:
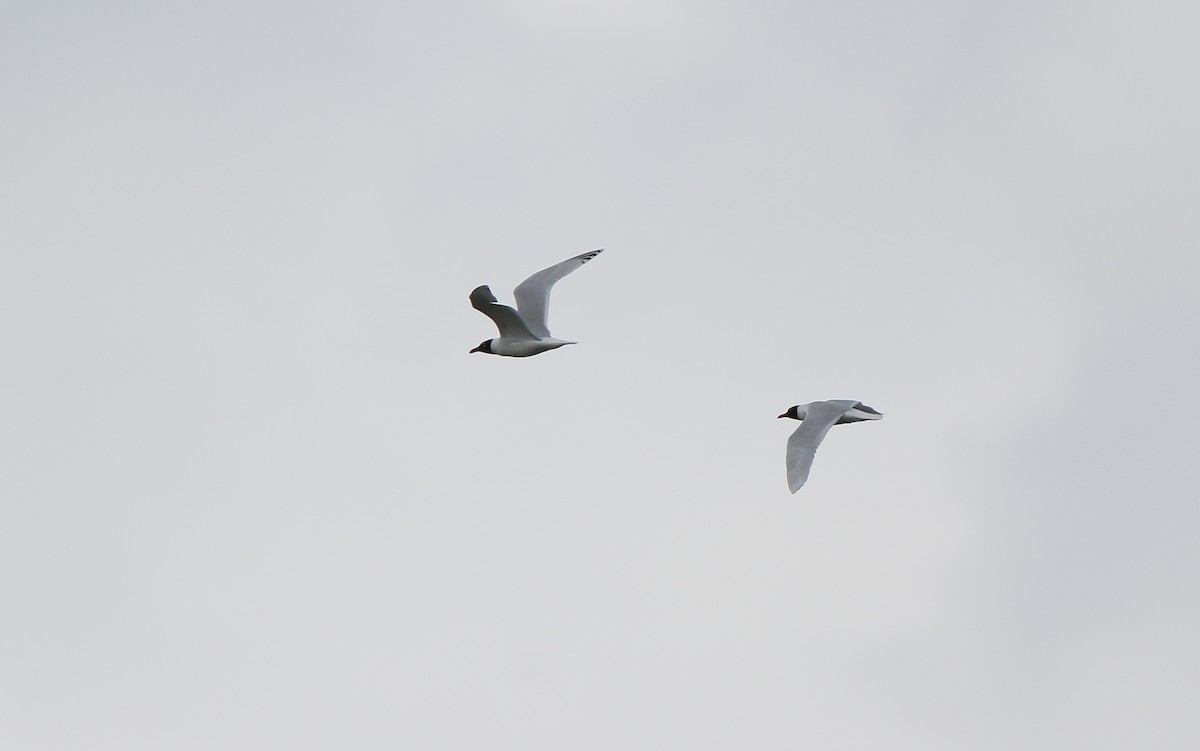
(817, 418)
(523, 331)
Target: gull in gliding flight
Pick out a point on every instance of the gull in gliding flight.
(816, 420)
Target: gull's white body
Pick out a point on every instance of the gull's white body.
(514, 347)
(524, 331)
(816, 420)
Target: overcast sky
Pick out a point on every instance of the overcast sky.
(255, 494)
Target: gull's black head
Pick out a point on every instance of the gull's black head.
(484, 347)
(793, 413)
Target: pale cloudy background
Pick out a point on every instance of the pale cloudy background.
(256, 495)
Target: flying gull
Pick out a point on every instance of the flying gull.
(523, 332)
(816, 420)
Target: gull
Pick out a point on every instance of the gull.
(523, 331)
(817, 418)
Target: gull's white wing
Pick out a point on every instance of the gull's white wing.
(507, 320)
(533, 294)
(802, 445)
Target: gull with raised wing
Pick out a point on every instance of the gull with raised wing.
(523, 332)
(816, 420)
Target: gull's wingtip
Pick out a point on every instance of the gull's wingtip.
(481, 297)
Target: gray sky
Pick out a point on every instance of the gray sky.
(256, 495)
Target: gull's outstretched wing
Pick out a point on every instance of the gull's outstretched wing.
(533, 294)
(802, 445)
(507, 320)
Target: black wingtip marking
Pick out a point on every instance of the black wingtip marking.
(481, 297)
